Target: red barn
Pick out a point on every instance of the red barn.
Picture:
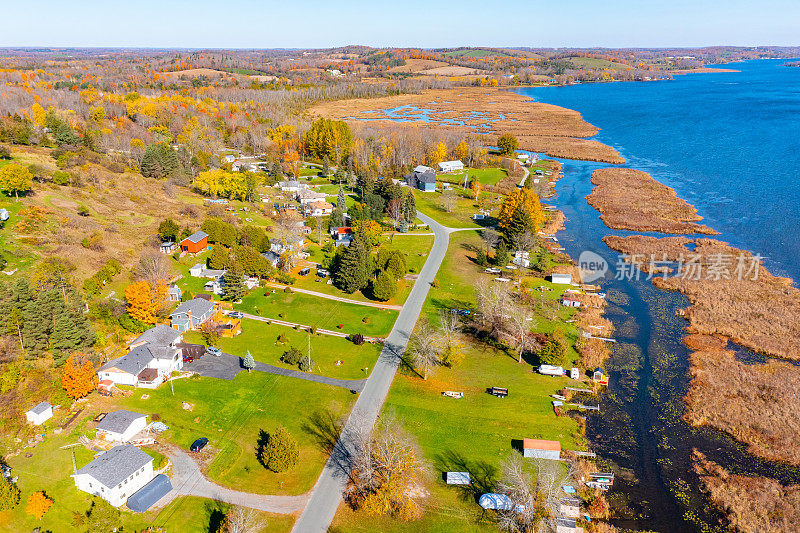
(195, 243)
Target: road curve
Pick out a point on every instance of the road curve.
(327, 493)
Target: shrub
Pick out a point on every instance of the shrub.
(282, 338)
(60, 177)
(291, 356)
(4, 153)
(280, 452)
(435, 283)
(288, 290)
(384, 286)
(358, 339)
(9, 494)
(306, 364)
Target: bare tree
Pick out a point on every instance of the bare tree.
(449, 200)
(154, 268)
(519, 318)
(525, 241)
(449, 337)
(244, 520)
(395, 210)
(490, 238)
(423, 349)
(492, 302)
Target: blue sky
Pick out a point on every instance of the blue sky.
(419, 23)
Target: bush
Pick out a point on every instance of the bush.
(435, 283)
(288, 290)
(358, 339)
(282, 338)
(305, 364)
(384, 286)
(280, 452)
(9, 494)
(60, 177)
(4, 153)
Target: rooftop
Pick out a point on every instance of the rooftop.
(160, 335)
(40, 408)
(197, 236)
(196, 306)
(118, 421)
(536, 444)
(132, 362)
(114, 466)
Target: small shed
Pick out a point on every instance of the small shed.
(121, 425)
(144, 498)
(458, 478)
(197, 270)
(39, 414)
(566, 525)
(541, 449)
(174, 293)
(561, 279)
(598, 375)
(167, 247)
(4, 215)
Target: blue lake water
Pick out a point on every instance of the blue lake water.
(728, 144)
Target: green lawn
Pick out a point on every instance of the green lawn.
(430, 203)
(49, 468)
(262, 341)
(469, 53)
(486, 176)
(19, 256)
(320, 312)
(232, 413)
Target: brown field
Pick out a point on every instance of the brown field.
(752, 504)
(762, 314)
(752, 403)
(553, 130)
(632, 200)
(418, 65)
(451, 70)
(194, 72)
(645, 252)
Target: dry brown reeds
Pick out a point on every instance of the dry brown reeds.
(632, 200)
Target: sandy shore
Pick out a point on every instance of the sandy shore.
(549, 129)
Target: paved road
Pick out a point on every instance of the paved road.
(337, 298)
(187, 480)
(228, 366)
(327, 493)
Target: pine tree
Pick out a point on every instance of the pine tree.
(151, 164)
(66, 337)
(9, 494)
(501, 256)
(521, 222)
(281, 451)
(234, 284)
(219, 258)
(410, 208)
(326, 167)
(248, 361)
(384, 287)
(341, 201)
(353, 269)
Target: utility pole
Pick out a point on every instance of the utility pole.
(72, 449)
(309, 349)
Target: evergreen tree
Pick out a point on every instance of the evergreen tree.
(481, 258)
(337, 218)
(384, 286)
(277, 170)
(554, 352)
(281, 451)
(9, 494)
(150, 166)
(248, 361)
(219, 257)
(521, 222)
(501, 255)
(102, 517)
(234, 284)
(353, 267)
(341, 201)
(326, 167)
(168, 230)
(410, 208)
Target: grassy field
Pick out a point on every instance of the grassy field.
(320, 312)
(469, 53)
(475, 433)
(486, 176)
(262, 341)
(49, 468)
(231, 414)
(430, 203)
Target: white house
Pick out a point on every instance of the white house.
(307, 196)
(214, 286)
(290, 186)
(116, 474)
(121, 425)
(451, 166)
(522, 258)
(561, 279)
(152, 356)
(318, 209)
(39, 414)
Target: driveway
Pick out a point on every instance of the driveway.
(336, 298)
(327, 493)
(228, 366)
(187, 480)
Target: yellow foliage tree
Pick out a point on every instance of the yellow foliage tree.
(437, 155)
(38, 505)
(476, 188)
(461, 152)
(529, 202)
(140, 302)
(15, 178)
(79, 377)
(38, 114)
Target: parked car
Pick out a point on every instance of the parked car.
(188, 359)
(211, 350)
(305, 271)
(199, 444)
(236, 314)
(321, 272)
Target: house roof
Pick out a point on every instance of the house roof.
(117, 464)
(271, 256)
(148, 375)
(40, 408)
(199, 266)
(119, 421)
(448, 163)
(197, 306)
(132, 362)
(159, 335)
(419, 169)
(144, 498)
(308, 193)
(536, 444)
(429, 176)
(197, 236)
(322, 205)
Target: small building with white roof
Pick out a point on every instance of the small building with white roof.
(121, 425)
(40, 413)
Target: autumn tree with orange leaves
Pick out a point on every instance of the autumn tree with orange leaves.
(38, 505)
(79, 377)
(141, 304)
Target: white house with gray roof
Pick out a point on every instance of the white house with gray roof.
(191, 314)
(152, 356)
(40, 413)
(116, 474)
(121, 425)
